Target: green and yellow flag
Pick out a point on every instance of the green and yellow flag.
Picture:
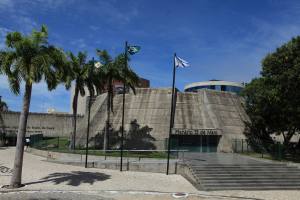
(133, 49)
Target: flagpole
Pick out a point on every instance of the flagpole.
(172, 114)
(88, 125)
(123, 111)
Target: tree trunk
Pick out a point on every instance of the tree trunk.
(106, 132)
(75, 101)
(18, 164)
(287, 138)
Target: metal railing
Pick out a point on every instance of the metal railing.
(61, 144)
(273, 150)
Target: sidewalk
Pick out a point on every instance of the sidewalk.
(41, 175)
(42, 178)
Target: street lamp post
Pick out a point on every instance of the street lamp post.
(123, 109)
(89, 115)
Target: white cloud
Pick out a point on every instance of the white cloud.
(94, 28)
(79, 43)
(3, 32)
(25, 24)
(6, 4)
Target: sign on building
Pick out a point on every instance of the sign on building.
(179, 131)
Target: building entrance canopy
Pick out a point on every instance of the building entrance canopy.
(178, 131)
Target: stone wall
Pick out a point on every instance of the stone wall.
(39, 123)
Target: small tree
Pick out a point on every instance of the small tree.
(139, 137)
(30, 59)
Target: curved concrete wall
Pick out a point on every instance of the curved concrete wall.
(206, 109)
(203, 110)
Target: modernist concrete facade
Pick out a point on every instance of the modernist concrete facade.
(38, 123)
(212, 118)
(204, 114)
(117, 85)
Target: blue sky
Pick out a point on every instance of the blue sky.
(221, 39)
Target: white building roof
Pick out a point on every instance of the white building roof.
(206, 83)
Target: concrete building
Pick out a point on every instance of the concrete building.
(48, 124)
(205, 120)
(226, 86)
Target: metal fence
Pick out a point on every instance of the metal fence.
(62, 144)
(241, 146)
(273, 150)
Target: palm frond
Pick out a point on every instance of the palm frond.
(14, 81)
(13, 38)
(105, 58)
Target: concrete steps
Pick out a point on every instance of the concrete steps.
(252, 176)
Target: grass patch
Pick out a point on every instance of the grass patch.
(62, 145)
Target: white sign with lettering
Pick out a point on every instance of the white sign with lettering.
(178, 131)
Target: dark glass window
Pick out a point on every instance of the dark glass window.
(223, 87)
(212, 87)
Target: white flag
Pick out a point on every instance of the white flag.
(98, 64)
(179, 62)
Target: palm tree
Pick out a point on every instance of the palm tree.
(3, 105)
(114, 69)
(85, 76)
(29, 58)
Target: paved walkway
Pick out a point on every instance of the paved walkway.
(39, 174)
(219, 158)
(45, 180)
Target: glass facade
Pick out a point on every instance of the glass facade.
(195, 143)
(227, 88)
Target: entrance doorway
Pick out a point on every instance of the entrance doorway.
(196, 143)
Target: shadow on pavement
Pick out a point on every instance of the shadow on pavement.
(74, 178)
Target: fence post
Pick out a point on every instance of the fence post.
(235, 146)
(58, 142)
(247, 147)
(279, 151)
(242, 146)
